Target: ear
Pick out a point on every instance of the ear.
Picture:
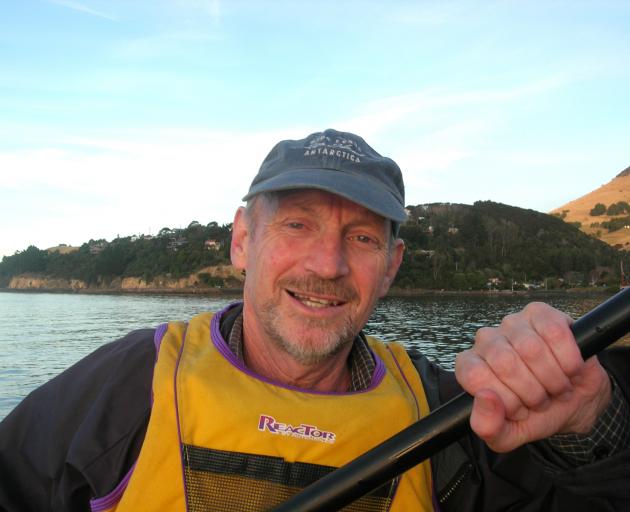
(240, 238)
(395, 259)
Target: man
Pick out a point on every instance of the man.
(238, 410)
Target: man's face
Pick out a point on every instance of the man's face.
(316, 264)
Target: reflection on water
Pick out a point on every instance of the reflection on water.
(440, 326)
(42, 334)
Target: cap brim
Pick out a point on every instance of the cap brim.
(357, 188)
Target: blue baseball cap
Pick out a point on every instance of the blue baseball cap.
(341, 163)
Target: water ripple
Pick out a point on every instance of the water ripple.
(42, 334)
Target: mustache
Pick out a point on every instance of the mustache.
(317, 286)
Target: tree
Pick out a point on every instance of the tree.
(598, 209)
(618, 208)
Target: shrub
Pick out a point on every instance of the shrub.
(598, 209)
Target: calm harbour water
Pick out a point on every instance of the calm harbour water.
(44, 333)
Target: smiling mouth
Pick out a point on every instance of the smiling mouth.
(315, 302)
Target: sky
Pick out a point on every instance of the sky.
(122, 117)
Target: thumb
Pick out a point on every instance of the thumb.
(488, 420)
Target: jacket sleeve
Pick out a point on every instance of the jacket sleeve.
(468, 476)
(608, 476)
(75, 437)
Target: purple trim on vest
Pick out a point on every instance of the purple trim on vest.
(415, 399)
(111, 499)
(157, 338)
(379, 370)
(157, 342)
(179, 430)
(224, 349)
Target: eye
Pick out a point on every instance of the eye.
(366, 241)
(295, 225)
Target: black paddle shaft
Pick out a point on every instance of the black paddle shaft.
(593, 332)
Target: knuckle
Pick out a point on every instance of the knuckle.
(468, 372)
(530, 348)
(536, 398)
(537, 308)
(484, 335)
(555, 332)
(515, 410)
(510, 320)
(572, 365)
(503, 362)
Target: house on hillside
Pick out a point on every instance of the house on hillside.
(212, 245)
(97, 247)
(494, 283)
(176, 242)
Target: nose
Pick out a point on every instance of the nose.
(327, 257)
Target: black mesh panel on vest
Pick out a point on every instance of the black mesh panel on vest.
(221, 481)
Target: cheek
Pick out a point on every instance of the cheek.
(273, 259)
(370, 277)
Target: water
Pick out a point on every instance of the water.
(44, 333)
(440, 326)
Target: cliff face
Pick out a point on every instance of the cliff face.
(31, 282)
(194, 282)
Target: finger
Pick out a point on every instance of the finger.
(542, 363)
(474, 374)
(554, 328)
(489, 421)
(487, 418)
(508, 366)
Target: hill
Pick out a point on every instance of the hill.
(613, 225)
(174, 259)
(457, 246)
(449, 246)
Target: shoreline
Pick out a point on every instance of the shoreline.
(131, 291)
(415, 292)
(238, 292)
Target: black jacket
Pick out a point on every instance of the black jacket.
(76, 437)
(470, 477)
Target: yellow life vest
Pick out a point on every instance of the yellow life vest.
(221, 438)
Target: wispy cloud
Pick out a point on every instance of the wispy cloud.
(77, 6)
(383, 113)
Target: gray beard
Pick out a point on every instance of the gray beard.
(306, 351)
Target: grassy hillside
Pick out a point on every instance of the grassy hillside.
(613, 192)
